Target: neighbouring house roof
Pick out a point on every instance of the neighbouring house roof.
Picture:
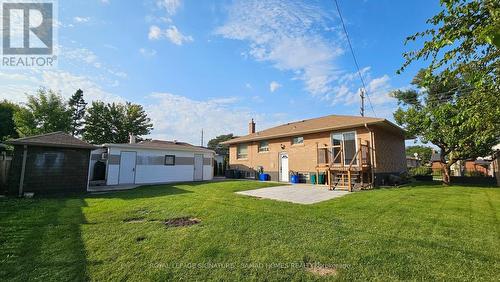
(481, 162)
(326, 123)
(162, 145)
(54, 139)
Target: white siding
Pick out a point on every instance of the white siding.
(146, 174)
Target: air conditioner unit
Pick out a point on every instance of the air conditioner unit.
(104, 156)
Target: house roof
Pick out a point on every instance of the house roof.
(54, 139)
(162, 145)
(331, 122)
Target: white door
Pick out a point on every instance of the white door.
(284, 173)
(198, 167)
(127, 168)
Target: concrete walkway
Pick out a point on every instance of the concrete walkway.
(298, 193)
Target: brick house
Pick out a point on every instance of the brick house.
(350, 151)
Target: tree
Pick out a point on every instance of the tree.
(113, 123)
(136, 120)
(7, 125)
(464, 41)
(460, 111)
(424, 152)
(44, 112)
(464, 124)
(214, 144)
(77, 107)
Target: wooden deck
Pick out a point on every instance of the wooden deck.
(348, 173)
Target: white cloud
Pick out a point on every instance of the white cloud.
(148, 53)
(13, 87)
(182, 118)
(286, 34)
(154, 32)
(173, 116)
(176, 37)
(76, 56)
(171, 33)
(170, 6)
(105, 1)
(110, 46)
(273, 86)
(81, 19)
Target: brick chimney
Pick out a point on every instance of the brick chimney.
(251, 127)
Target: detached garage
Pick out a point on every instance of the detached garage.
(149, 162)
(54, 162)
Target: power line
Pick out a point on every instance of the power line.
(364, 90)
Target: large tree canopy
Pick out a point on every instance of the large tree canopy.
(113, 123)
(458, 109)
(463, 123)
(44, 112)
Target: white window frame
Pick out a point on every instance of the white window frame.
(342, 145)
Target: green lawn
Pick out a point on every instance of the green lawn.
(412, 233)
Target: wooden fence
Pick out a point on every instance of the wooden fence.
(4, 171)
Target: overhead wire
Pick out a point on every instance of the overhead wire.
(354, 58)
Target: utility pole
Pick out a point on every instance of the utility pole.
(202, 137)
(362, 95)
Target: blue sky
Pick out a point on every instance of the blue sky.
(215, 64)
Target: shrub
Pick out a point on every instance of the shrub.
(421, 170)
(474, 173)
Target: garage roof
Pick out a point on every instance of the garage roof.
(54, 139)
(162, 145)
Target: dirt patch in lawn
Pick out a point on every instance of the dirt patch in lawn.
(322, 270)
(140, 238)
(181, 221)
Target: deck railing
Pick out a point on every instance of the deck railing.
(362, 157)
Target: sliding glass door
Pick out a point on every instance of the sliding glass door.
(346, 142)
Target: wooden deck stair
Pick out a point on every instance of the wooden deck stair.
(357, 175)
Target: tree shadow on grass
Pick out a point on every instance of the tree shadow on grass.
(41, 239)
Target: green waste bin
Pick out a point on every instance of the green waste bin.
(313, 178)
(321, 178)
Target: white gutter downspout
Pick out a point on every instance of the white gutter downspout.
(372, 154)
(23, 170)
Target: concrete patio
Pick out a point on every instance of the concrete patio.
(298, 193)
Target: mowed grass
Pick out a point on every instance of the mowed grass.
(411, 233)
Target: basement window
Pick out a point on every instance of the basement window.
(263, 146)
(169, 160)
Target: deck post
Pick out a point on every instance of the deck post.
(349, 180)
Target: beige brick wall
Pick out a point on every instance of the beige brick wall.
(302, 158)
(389, 151)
